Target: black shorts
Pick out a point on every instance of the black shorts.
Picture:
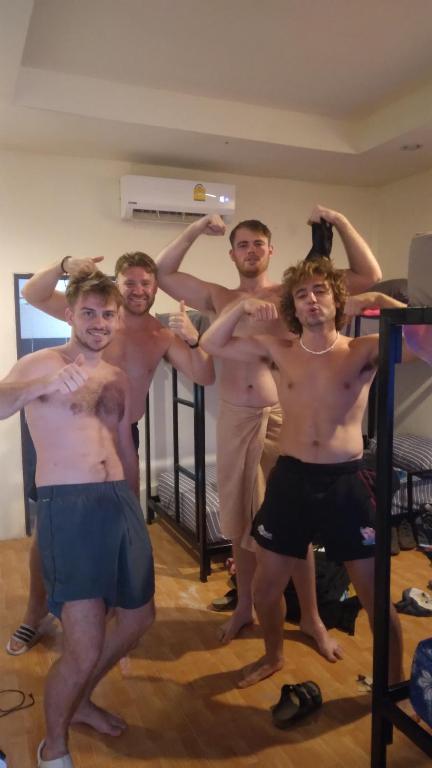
(330, 504)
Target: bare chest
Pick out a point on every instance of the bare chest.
(101, 398)
(136, 354)
(335, 382)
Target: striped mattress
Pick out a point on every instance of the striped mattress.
(187, 502)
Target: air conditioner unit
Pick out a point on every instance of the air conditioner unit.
(147, 198)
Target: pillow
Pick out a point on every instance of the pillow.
(410, 452)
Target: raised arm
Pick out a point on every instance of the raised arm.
(219, 341)
(40, 289)
(197, 293)
(355, 305)
(364, 269)
(26, 382)
(185, 352)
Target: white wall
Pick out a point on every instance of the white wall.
(51, 206)
(404, 209)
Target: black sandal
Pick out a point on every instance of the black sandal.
(226, 603)
(296, 702)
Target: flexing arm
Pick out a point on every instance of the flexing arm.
(364, 269)
(22, 385)
(355, 305)
(185, 352)
(40, 289)
(218, 339)
(197, 293)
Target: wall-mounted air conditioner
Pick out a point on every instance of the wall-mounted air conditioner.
(147, 198)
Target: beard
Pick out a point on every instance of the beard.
(252, 270)
(134, 310)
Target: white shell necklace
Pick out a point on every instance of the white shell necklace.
(321, 351)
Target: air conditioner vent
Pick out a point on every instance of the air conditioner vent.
(169, 217)
(148, 198)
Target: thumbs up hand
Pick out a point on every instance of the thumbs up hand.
(181, 325)
(69, 378)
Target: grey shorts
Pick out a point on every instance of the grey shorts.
(93, 543)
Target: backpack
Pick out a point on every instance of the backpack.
(332, 582)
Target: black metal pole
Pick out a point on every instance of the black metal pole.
(389, 353)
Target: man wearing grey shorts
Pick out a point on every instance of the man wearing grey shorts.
(94, 547)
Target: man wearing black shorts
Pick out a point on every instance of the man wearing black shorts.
(316, 490)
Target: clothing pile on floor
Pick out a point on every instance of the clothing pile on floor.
(415, 602)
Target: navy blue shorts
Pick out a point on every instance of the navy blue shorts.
(329, 504)
(93, 543)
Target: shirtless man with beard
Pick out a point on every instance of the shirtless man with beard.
(94, 547)
(139, 344)
(249, 418)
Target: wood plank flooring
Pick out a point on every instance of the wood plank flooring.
(178, 690)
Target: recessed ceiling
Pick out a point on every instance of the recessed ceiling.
(323, 90)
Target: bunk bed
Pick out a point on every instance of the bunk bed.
(385, 712)
(186, 500)
(412, 454)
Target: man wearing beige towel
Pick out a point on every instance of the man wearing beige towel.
(249, 417)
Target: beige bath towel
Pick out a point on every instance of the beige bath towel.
(247, 448)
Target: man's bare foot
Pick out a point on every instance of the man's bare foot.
(259, 670)
(100, 719)
(327, 645)
(234, 625)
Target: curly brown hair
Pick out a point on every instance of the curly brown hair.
(304, 271)
(97, 282)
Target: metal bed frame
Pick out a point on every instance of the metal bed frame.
(196, 540)
(385, 712)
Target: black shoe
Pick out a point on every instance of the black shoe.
(226, 603)
(406, 535)
(394, 544)
(296, 701)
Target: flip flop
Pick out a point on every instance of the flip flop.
(295, 703)
(28, 635)
(58, 762)
(226, 603)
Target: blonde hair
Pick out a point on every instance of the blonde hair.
(97, 282)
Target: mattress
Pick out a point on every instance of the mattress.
(422, 494)
(187, 502)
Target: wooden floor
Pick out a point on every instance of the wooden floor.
(178, 689)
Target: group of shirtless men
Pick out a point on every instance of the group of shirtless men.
(293, 392)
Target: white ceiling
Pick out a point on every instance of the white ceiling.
(323, 90)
